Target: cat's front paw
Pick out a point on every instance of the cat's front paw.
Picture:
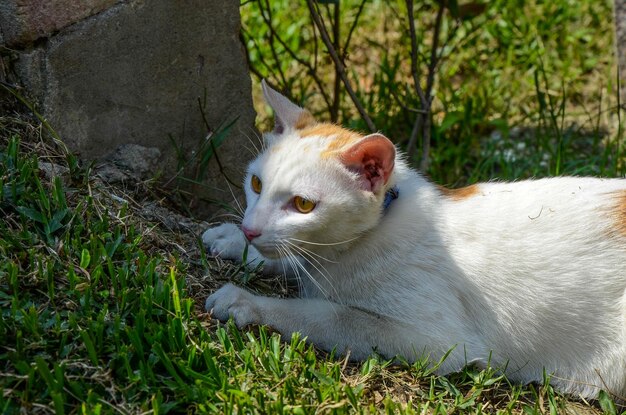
(226, 241)
(231, 301)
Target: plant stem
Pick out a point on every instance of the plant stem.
(340, 68)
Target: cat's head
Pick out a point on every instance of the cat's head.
(315, 185)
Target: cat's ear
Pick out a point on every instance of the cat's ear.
(373, 158)
(287, 115)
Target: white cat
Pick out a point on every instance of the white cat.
(531, 275)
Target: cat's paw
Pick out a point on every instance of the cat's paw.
(226, 241)
(231, 301)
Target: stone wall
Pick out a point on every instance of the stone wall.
(110, 73)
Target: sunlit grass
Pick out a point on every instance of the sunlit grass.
(101, 309)
(101, 314)
(537, 73)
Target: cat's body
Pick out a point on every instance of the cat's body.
(529, 275)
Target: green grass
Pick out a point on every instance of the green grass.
(101, 308)
(101, 315)
(96, 319)
(543, 68)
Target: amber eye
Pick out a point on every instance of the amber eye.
(303, 205)
(256, 184)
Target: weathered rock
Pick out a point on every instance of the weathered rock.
(52, 170)
(173, 221)
(140, 72)
(129, 163)
(24, 21)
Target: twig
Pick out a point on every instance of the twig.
(352, 28)
(334, 111)
(251, 67)
(272, 35)
(217, 159)
(432, 69)
(417, 124)
(315, 44)
(423, 120)
(450, 35)
(404, 106)
(258, 48)
(414, 134)
(339, 65)
(432, 64)
(414, 67)
(311, 69)
(425, 161)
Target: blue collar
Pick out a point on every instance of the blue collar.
(391, 195)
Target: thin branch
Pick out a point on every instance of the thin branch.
(451, 34)
(258, 49)
(336, 22)
(315, 44)
(467, 37)
(213, 148)
(352, 28)
(432, 70)
(271, 40)
(414, 135)
(417, 124)
(311, 69)
(291, 53)
(414, 63)
(406, 107)
(425, 161)
(432, 64)
(340, 67)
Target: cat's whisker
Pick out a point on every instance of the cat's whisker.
(312, 261)
(296, 269)
(285, 256)
(321, 270)
(238, 207)
(306, 255)
(325, 244)
(315, 254)
(299, 265)
(235, 216)
(259, 139)
(306, 271)
(295, 264)
(253, 151)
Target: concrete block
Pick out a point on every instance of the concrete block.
(24, 21)
(135, 73)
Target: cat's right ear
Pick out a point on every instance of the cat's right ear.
(287, 115)
(373, 158)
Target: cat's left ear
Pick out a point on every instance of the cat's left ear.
(373, 158)
(287, 115)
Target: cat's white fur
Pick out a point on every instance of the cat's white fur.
(531, 274)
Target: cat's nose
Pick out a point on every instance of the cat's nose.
(250, 233)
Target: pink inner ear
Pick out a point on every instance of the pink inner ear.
(373, 158)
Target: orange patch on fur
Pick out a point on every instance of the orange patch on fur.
(304, 120)
(620, 212)
(341, 138)
(460, 194)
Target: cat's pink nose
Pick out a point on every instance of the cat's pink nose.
(250, 233)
